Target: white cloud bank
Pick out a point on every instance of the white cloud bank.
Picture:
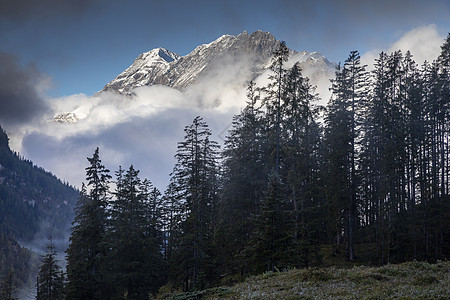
(142, 130)
(424, 42)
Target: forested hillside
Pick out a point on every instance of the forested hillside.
(33, 205)
(366, 178)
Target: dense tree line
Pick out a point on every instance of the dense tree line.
(392, 156)
(115, 249)
(371, 168)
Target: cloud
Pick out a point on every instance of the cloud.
(21, 91)
(223, 86)
(98, 113)
(143, 130)
(423, 42)
(148, 140)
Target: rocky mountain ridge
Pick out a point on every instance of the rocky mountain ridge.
(163, 67)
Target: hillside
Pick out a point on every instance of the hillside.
(34, 204)
(32, 200)
(413, 280)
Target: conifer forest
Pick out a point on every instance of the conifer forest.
(368, 173)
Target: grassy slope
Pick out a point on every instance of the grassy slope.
(413, 280)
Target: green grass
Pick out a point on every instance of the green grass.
(413, 280)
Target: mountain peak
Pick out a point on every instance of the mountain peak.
(145, 67)
(161, 66)
(155, 56)
(166, 55)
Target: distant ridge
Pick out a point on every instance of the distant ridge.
(163, 67)
(32, 200)
(34, 204)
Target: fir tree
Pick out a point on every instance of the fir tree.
(245, 170)
(301, 142)
(137, 267)
(273, 99)
(343, 123)
(86, 251)
(50, 280)
(194, 178)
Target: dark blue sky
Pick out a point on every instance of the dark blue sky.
(83, 44)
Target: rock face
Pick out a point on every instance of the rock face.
(148, 68)
(66, 118)
(161, 66)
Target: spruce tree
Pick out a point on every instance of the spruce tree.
(137, 267)
(273, 100)
(357, 93)
(194, 178)
(50, 280)
(86, 252)
(343, 140)
(375, 137)
(300, 147)
(245, 170)
(338, 142)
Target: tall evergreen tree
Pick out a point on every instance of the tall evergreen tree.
(338, 151)
(301, 142)
(273, 99)
(245, 170)
(86, 251)
(349, 91)
(357, 93)
(194, 178)
(137, 267)
(375, 136)
(135, 258)
(50, 280)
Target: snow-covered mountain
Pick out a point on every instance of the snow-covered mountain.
(163, 67)
(149, 68)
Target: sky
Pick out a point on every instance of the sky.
(55, 55)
